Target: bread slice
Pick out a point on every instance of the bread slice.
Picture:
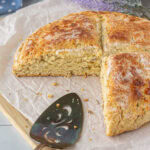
(125, 82)
(71, 45)
(124, 33)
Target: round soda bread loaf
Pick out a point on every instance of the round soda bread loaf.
(114, 45)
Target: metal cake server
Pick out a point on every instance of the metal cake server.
(60, 125)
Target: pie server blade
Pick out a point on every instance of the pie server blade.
(60, 125)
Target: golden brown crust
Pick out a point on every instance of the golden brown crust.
(120, 33)
(74, 31)
(125, 32)
(131, 69)
(126, 91)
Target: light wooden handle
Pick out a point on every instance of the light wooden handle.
(43, 147)
(40, 147)
(20, 122)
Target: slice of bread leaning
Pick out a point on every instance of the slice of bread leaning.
(125, 82)
(71, 45)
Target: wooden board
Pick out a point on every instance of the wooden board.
(22, 124)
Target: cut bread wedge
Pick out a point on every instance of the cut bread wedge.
(125, 82)
(71, 45)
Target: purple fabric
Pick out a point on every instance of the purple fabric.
(132, 7)
(95, 5)
(107, 5)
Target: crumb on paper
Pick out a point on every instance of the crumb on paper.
(82, 89)
(21, 38)
(26, 119)
(86, 99)
(39, 93)
(75, 127)
(90, 112)
(54, 83)
(25, 99)
(57, 105)
(67, 90)
(50, 95)
(90, 139)
(85, 76)
(98, 102)
(69, 75)
(102, 105)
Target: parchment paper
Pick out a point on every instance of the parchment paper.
(22, 92)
